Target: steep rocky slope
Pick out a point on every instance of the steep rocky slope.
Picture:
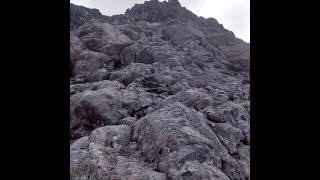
(157, 93)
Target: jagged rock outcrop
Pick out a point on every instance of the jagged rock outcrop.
(80, 15)
(157, 93)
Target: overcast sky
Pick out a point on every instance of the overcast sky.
(233, 14)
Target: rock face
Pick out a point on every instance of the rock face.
(157, 93)
(80, 15)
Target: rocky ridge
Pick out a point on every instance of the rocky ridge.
(157, 93)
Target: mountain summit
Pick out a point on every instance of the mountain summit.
(157, 93)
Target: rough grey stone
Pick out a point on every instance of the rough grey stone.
(157, 93)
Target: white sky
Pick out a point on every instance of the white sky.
(233, 14)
